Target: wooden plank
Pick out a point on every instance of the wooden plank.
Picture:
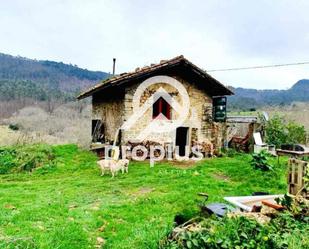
(291, 153)
(297, 170)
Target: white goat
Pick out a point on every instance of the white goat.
(113, 166)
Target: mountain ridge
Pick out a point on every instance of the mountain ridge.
(248, 98)
(41, 80)
(64, 77)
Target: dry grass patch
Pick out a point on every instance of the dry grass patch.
(8, 136)
(182, 164)
(221, 176)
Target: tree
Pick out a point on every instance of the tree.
(275, 131)
(279, 131)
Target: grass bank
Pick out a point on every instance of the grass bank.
(70, 206)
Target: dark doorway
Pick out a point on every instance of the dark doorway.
(97, 131)
(182, 139)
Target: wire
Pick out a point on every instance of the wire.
(258, 67)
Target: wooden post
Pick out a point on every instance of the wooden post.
(297, 170)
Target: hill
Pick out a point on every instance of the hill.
(245, 99)
(56, 75)
(25, 82)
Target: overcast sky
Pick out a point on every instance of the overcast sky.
(212, 34)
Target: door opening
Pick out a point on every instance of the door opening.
(182, 140)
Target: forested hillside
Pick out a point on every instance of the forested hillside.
(56, 75)
(45, 83)
(12, 90)
(245, 99)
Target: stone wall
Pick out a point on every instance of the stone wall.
(200, 116)
(114, 108)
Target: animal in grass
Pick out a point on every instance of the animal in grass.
(124, 165)
(113, 166)
(105, 164)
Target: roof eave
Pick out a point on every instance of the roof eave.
(114, 81)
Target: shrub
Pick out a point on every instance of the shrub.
(25, 158)
(279, 131)
(296, 133)
(260, 161)
(7, 160)
(275, 131)
(14, 127)
(283, 231)
(68, 123)
(239, 232)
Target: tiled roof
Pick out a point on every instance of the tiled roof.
(145, 70)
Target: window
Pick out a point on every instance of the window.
(161, 107)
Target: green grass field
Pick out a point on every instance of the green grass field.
(70, 205)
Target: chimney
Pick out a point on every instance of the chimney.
(114, 64)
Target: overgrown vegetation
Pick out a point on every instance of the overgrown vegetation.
(260, 161)
(279, 131)
(240, 232)
(25, 158)
(230, 152)
(281, 230)
(297, 206)
(278, 230)
(68, 123)
(71, 206)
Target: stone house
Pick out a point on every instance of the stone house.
(112, 105)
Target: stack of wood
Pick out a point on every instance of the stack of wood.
(206, 147)
(146, 144)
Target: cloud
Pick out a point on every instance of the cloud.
(213, 34)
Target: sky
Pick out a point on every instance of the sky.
(211, 34)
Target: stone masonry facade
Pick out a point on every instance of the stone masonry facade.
(115, 109)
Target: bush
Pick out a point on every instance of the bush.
(279, 131)
(14, 127)
(7, 160)
(296, 133)
(25, 158)
(69, 123)
(260, 161)
(283, 231)
(286, 229)
(275, 131)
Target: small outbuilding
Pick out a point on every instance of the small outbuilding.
(112, 106)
